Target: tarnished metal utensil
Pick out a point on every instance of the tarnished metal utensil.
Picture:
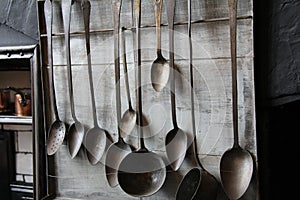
(95, 138)
(118, 150)
(208, 187)
(128, 120)
(176, 139)
(236, 165)
(76, 130)
(160, 69)
(142, 172)
(57, 131)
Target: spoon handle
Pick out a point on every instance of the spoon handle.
(137, 13)
(48, 19)
(170, 15)
(86, 8)
(66, 7)
(232, 23)
(158, 10)
(123, 52)
(116, 5)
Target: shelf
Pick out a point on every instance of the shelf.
(10, 119)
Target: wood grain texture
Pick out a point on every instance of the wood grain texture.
(76, 178)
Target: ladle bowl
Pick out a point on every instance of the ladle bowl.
(141, 173)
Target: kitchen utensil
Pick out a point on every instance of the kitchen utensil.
(236, 165)
(76, 130)
(57, 131)
(160, 69)
(118, 150)
(176, 139)
(95, 138)
(142, 172)
(128, 119)
(209, 185)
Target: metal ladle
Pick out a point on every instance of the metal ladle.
(118, 150)
(236, 165)
(160, 69)
(142, 172)
(57, 131)
(76, 130)
(176, 139)
(128, 119)
(95, 139)
(208, 187)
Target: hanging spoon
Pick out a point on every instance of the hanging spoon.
(76, 130)
(236, 165)
(95, 139)
(128, 120)
(160, 69)
(176, 139)
(57, 131)
(118, 150)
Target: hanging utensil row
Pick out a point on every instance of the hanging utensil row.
(142, 172)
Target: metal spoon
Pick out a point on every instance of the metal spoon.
(176, 139)
(160, 69)
(95, 139)
(128, 119)
(57, 131)
(236, 165)
(142, 172)
(208, 187)
(76, 130)
(118, 150)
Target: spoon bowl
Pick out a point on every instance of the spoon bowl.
(160, 71)
(75, 138)
(176, 145)
(56, 136)
(95, 144)
(128, 122)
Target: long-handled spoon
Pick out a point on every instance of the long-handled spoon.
(57, 131)
(176, 139)
(160, 69)
(128, 119)
(209, 185)
(236, 165)
(76, 130)
(118, 150)
(95, 139)
(142, 172)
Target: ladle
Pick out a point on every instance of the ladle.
(142, 172)
(176, 139)
(160, 69)
(95, 139)
(128, 119)
(118, 150)
(76, 130)
(208, 187)
(236, 165)
(57, 131)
